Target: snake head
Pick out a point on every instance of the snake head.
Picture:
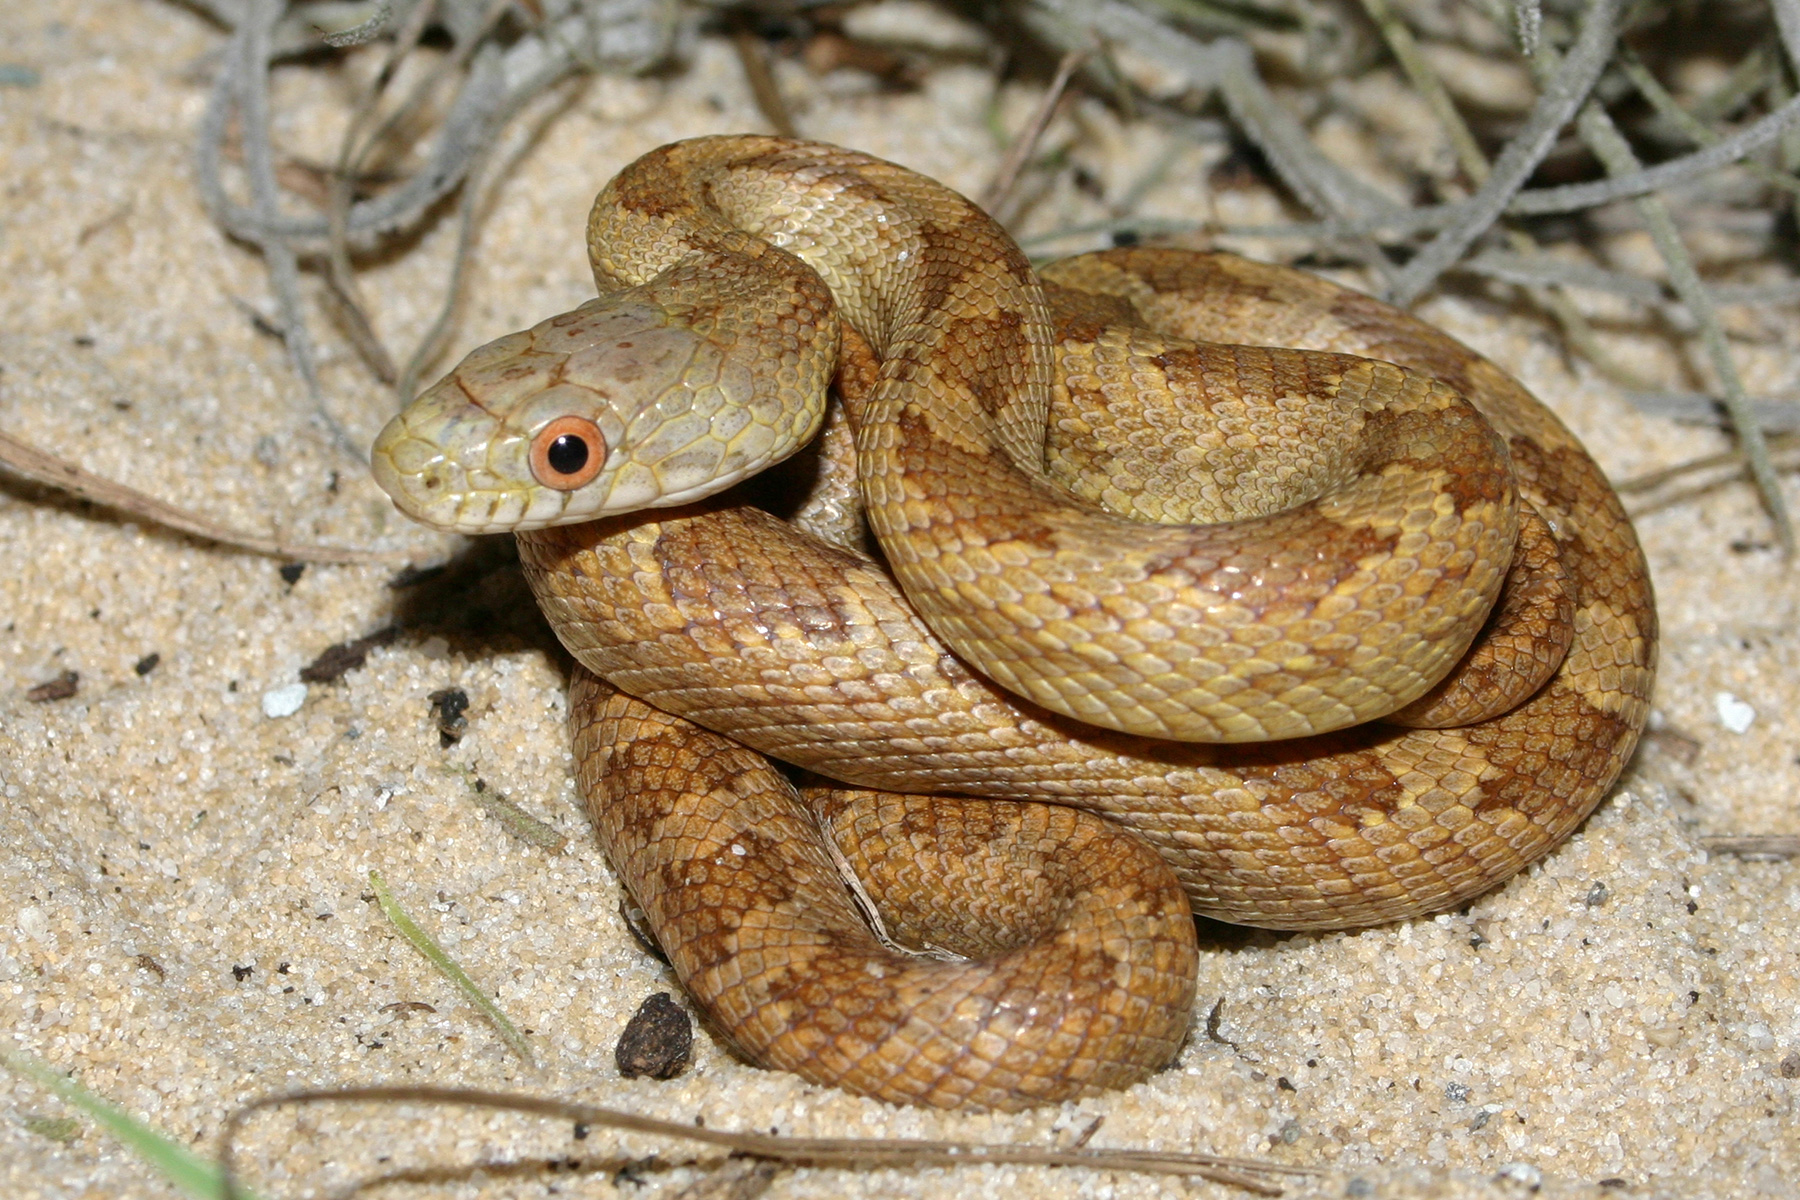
(624, 404)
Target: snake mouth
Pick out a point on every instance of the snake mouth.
(424, 483)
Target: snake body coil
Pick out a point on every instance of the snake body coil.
(1119, 530)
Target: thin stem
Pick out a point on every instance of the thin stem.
(53, 472)
(834, 1152)
(999, 193)
(753, 57)
(1690, 126)
(1562, 95)
(1611, 148)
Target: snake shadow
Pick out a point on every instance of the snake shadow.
(477, 600)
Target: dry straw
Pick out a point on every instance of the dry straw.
(1730, 151)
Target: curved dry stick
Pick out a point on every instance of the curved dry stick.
(39, 467)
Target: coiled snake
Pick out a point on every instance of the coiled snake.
(1114, 534)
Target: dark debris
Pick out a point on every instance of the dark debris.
(448, 706)
(337, 661)
(60, 688)
(658, 1040)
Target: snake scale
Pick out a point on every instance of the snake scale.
(1194, 583)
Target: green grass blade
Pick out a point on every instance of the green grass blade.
(434, 953)
(196, 1176)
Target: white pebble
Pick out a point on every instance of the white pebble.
(913, 23)
(283, 701)
(1734, 714)
(33, 923)
(1521, 1173)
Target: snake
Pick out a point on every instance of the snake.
(1158, 582)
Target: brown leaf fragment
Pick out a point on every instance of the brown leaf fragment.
(1683, 747)
(60, 688)
(334, 662)
(407, 1008)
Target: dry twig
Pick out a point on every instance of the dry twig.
(53, 472)
(858, 1153)
(1754, 845)
(999, 193)
(753, 56)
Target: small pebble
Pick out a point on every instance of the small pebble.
(658, 1040)
(1734, 714)
(35, 925)
(1524, 1174)
(283, 701)
(449, 705)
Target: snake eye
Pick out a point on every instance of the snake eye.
(567, 453)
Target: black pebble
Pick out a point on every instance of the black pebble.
(658, 1040)
(449, 705)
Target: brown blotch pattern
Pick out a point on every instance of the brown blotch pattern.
(722, 615)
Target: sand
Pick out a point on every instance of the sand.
(188, 921)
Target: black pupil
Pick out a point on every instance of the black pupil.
(568, 454)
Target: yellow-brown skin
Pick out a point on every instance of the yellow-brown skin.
(1383, 505)
(1081, 952)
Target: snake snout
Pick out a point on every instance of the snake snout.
(414, 473)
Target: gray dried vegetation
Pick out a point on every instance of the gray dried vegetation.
(1557, 127)
(1681, 120)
